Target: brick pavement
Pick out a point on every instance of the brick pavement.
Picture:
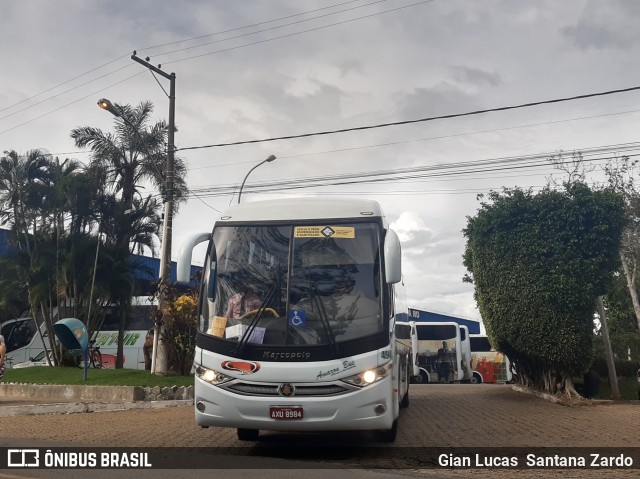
(438, 416)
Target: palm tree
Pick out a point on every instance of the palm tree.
(134, 153)
(130, 156)
(20, 177)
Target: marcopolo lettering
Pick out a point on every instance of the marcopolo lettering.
(286, 355)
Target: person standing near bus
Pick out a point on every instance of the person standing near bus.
(444, 363)
(3, 355)
(147, 349)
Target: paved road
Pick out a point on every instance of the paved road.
(473, 416)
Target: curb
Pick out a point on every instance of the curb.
(80, 407)
(563, 401)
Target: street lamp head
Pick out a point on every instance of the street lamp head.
(107, 105)
(268, 160)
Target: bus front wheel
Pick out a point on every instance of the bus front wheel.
(389, 435)
(248, 434)
(475, 379)
(421, 378)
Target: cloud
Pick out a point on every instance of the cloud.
(412, 231)
(606, 25)
(475, 76)
(440, 99)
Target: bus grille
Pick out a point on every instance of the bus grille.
(301, 390)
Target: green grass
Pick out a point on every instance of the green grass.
(95, 377)
(628, 388)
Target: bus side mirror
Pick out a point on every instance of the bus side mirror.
(183, 269)
(392, 257)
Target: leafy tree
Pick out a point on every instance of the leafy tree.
(538, 263)
(57, 210)
(131, 156)
(20, 177)
(620, 176)
(181, 325)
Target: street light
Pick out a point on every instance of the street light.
(271, 158)
(107, 105)
(165, 255)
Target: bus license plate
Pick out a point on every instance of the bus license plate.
(284, 413)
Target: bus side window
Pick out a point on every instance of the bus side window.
(20, 335)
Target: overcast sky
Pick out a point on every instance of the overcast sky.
(302, 67)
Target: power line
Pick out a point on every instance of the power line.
(440, 137)
(68, 104)
(272, 28)
(66, 91)
(148, 48)
(433, 171)
(246, 26)
(63, 83)
(297, 33)
(420, 120)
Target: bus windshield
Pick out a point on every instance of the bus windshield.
(293, 284)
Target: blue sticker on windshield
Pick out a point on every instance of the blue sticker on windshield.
(297, 318)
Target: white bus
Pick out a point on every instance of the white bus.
(24, 342)
(439, 352)
(406, 334)
(465, 353)
(487, 364)
(318, 350)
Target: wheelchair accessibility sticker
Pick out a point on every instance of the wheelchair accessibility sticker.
(297, 318)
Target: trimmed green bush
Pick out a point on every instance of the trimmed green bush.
(538, 263)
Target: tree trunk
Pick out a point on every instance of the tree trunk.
(123, 309)
(611, 365)
(569, 388)
(162, 354)
(631, 285)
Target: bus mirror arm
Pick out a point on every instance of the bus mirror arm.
(185, 254)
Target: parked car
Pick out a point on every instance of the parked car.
(38, 360)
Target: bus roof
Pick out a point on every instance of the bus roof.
(303, 209)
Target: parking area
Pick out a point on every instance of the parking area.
(439, 416)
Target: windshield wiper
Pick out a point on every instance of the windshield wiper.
(254, 322)
(315, 300)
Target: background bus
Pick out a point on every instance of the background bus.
(439, 352)
(487, 364)
(24, 342)
(465, 353)
(406, 334)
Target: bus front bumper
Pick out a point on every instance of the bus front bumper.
(369, 408)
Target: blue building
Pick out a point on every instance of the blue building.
(430, 317)
(147, 269)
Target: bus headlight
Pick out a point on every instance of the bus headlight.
(369, 376)
(212, 376)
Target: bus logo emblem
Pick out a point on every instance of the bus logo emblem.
(241, 367)
(286, 390)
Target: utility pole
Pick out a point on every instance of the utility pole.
(159, 355)
(608, 353)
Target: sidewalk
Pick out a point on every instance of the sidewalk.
(30, 399)
(32, 407)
